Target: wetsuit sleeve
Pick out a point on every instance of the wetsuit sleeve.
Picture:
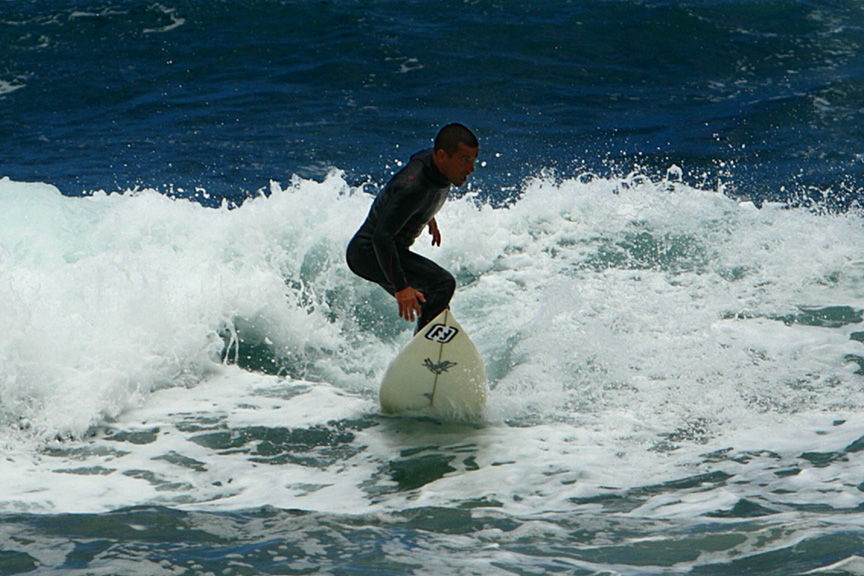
(393, 217)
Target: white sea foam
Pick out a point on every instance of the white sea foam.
(176, 21)
(636, 333)
(8, 87)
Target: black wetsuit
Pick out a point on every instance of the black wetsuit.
(380, 251)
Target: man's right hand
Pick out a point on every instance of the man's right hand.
(409, 301)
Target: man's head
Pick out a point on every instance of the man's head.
(456, 149)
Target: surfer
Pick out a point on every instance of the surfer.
(379, 251)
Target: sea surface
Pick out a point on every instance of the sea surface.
(659, 257)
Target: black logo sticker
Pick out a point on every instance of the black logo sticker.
(441, 334)
(439, 368)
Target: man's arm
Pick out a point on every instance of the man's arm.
(436, 235)
(410, 299)
(394, 214)
(393, 217)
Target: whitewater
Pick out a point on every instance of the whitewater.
(658, 353)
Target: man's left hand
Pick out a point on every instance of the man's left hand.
(436, 235)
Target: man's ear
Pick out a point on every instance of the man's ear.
(439, 157)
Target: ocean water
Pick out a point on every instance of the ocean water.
(659, 258)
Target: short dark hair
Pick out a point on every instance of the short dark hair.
(450, 136)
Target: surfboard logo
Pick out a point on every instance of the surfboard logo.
(441, 334)
(439, 368)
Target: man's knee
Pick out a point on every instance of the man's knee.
(450, 284)
(445, 285)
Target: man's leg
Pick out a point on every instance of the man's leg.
(436, 284)
(363, 262)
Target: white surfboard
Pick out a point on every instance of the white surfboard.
(439, 373)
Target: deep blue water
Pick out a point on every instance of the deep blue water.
(765, 97)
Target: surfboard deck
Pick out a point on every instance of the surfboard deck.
(439, 373)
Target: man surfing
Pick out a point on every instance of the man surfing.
(379, 251)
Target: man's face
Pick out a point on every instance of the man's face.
(459, 166)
